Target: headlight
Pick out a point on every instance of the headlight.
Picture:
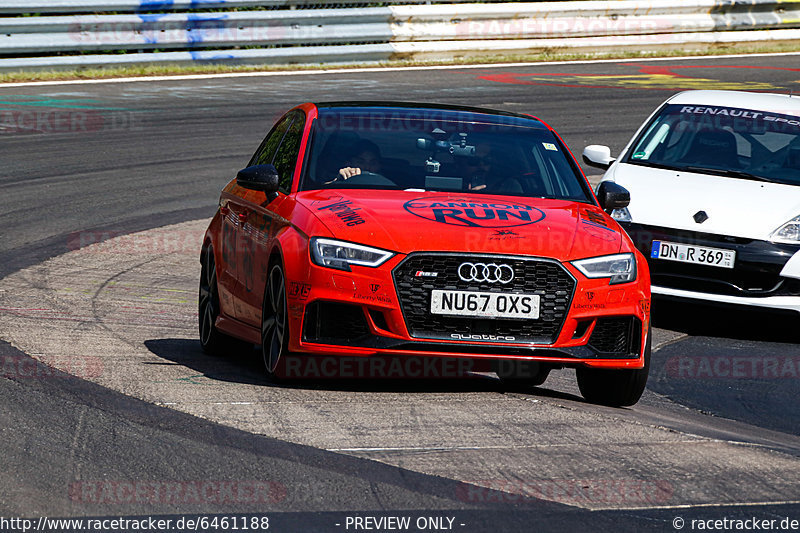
(788, 233)
(621, 215)
(339, 254)
(620, 268)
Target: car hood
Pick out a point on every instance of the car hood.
(408, 221)
(734, 206)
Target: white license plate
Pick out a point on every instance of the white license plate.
(689, 253)
(484, 304)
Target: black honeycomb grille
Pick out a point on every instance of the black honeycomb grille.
(547, 278)
(334, 322)
(615, 335)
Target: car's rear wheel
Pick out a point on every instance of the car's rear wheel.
(212, 340)
(274, 321)
(521, 374)
(616, 388)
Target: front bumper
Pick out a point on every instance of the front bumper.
(756, 279)
(369, 312)
(788, 303)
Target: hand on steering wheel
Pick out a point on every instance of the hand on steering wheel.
(348, 172)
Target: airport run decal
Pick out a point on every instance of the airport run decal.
(665, 77)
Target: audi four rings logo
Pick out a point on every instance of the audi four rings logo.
(491, 273)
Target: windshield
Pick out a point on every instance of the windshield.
(729, 141)
(439, 150)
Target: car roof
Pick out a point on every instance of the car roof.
(767, 102)
(415, 106)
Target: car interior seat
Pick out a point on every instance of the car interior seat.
(791, 164)
(716, 148)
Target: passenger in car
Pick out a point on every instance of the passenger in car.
(478, 170)
(487, 171)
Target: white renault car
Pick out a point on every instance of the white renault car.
(714, 181)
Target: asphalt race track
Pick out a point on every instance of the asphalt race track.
(109, 407)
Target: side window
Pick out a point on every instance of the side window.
(266, 152)
(286, 157)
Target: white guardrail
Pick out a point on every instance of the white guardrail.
(57, 34)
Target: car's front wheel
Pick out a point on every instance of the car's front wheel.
(274, 321)
(616, 388)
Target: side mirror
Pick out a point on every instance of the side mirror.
(259, 178)
(612, 196)
(598, 156)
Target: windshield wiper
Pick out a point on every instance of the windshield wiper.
(728, 172)
(651, 164)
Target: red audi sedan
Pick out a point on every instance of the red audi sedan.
(378, 229)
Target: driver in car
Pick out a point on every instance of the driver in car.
(364, 157)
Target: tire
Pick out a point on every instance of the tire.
(518, 375)
(615, 388)
(212, 340)
(274, 321)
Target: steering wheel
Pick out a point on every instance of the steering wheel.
(368, 178)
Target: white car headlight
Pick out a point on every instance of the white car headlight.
(619, 268)
(788, 233)
(621, 215)
(340, 254)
